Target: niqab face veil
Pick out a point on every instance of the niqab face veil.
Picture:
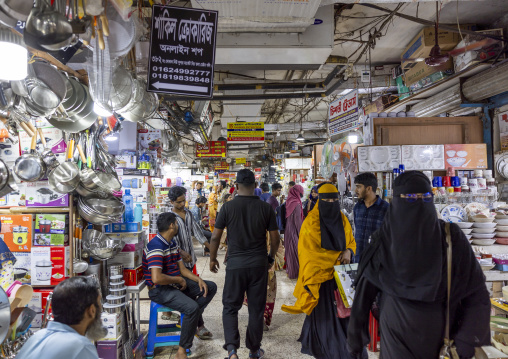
(411, 247)
(333, 236)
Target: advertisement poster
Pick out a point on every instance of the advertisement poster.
(212, 149)
(466, 156)
(503, 130)
(343, 113)
(16, 231)
(182, 51)
(222, 166)
(241, 161)
(251, 132)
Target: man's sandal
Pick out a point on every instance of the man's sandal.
(259, 354)
(231, 353)
(204, 334)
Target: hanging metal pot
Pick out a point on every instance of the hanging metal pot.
(29, 166)
(65, 177)
(47, 155)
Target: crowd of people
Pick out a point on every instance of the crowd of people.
(402, 250)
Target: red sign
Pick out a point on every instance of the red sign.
(222, 166)
(257, 169)
(212, 149)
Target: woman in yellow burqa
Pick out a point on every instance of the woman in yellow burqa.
(326, 239)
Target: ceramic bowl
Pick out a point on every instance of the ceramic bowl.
(502, 228)
(483, 235)
(467, 231)
(484, 225)
(503, 241)
(502, 234)
(484, 242)
(503, 222)
(465, 224)
(484, 230)
(484, 220)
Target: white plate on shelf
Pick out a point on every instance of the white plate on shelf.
(463, 225)
(502, 234)
(483, 220)
(467, 230)
(484, 225)
(454, 213)
(484, 230)
(502, 222)
(379, 155)
(483, 235)
(484, 242)
(502, 228)
(487, 267)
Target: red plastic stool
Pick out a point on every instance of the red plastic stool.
(373, 331)
(195, 271)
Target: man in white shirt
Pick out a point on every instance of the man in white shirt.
(77, 308)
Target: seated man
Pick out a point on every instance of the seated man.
(171, 284)
(77, 311)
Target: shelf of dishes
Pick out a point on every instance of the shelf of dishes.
(422, 157)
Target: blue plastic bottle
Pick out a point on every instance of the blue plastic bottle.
(129, 206)
(138, 214)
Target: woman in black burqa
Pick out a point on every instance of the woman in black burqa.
(406, 262)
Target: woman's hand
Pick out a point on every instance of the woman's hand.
(345, 257)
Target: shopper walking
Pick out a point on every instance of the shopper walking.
(257, 191)
(326, 240)
(186, 227)
(171, 284)
(294, 220)
(311, 201)
(248, 219)
(272, 200)
(266, 192)
(407, 262)
(212, 207)
(77, 308)
(369, 212)
(222, 190)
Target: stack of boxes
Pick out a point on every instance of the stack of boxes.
(131, 256)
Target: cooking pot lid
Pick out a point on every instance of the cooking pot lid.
(44, 191)
(43, 263)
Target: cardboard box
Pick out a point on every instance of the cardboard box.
(115, 323)
(134, 183)
(430, 80)
(53, 136)
(384, 70)
(38, 304)
(9, 151)
(128, 237)
(421, 45)
(149, 140)
(52, 223)
(128, 259)
(402, 89)
(17, 231)
(110, 349)
(381, 103)
(15, 199)
(133, 247)
(40, 194)
(489, 51)
(133, 277)
(49, 265)
(127, 160)
(419, 70)
(23, 267)
(47, 239)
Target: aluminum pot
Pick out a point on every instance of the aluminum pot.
(116, 286)
(65, 177)
(47, 155)
(113, 309)
(118, 292)
(114, 300)
(116, 279)
(29, 166)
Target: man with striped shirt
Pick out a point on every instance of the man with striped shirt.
(171, 284)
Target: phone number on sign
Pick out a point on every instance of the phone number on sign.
(171, 70)
(181, 78)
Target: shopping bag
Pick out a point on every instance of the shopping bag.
(345, 276)
(342, 311)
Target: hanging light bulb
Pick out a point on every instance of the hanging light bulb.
(300, 137)
(14, 59)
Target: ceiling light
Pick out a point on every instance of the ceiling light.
(287, 152)
(13, 64)
(352, 139)
(300, 137)
(278, 133)
(100, 110)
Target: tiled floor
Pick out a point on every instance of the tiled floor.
(279, 343)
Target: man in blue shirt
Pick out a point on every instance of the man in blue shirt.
(266, 192)
(369, 212)
(77, 311)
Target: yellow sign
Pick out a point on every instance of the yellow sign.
(246, 132)
(241, 161)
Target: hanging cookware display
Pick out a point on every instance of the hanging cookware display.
(100, 211)
(65, 177)
(29, 166)
(47, 154)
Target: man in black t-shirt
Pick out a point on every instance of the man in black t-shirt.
(247, 219)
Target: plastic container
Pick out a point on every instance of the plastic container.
(138, 213)
(129, 206)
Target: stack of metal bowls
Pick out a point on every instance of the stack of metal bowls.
(101, 246)
(98, 210)
(116, 299)
(142, 104)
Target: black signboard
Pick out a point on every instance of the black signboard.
(182, 51)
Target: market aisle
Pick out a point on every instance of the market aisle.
(279, 343)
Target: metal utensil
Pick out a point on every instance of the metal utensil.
(48, 25)
(65, 177)
(79, 265)
(29, 166)
(47, 155)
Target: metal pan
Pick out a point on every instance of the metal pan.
(30, 167)
(65, 177)
(51, 77)
(47, 155)
(114, 300)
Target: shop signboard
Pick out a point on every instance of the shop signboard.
(503, 130)
(466, 156)
(182, 51)
(343, 113)
(250, 132)
(241, 161)
(257, 169)
(222, 166)
(211, 149)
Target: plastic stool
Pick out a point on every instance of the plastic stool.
(373, 331)
(154, 328)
